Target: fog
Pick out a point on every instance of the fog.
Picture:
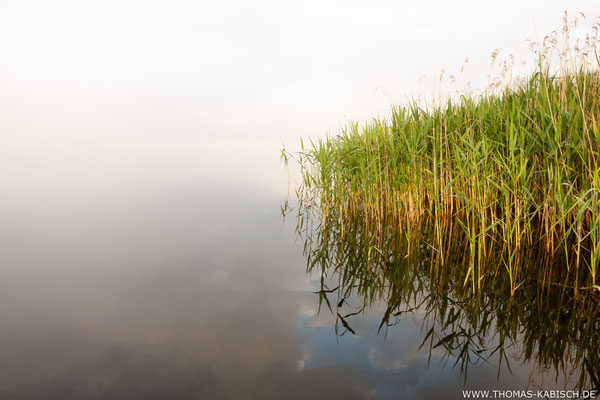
(143, 250)
(184, 71)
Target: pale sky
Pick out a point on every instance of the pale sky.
(195, 71)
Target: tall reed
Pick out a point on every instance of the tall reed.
(506, 176)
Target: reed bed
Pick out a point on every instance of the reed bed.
(506, 182)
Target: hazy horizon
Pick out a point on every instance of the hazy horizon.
(154, 72)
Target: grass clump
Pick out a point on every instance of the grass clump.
(506, 183)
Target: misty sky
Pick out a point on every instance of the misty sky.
(181, 71)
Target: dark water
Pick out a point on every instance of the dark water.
(165, 272)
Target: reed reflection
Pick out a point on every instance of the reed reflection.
(362, 266)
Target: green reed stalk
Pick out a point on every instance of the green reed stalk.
(516, 170)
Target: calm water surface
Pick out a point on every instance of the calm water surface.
(164, 271)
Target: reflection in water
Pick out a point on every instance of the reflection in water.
(142, 273)
(554, 330)
(162, 272)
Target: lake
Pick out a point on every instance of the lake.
(167, 271)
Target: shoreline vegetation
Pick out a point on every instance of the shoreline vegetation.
(504, 187)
